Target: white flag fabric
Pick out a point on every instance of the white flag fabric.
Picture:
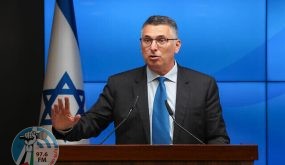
(63, 77)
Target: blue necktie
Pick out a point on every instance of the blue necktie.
(160, 118)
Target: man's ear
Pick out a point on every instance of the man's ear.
(177, 46)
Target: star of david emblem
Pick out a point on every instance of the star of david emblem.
(64, 87)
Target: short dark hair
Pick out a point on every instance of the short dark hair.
(161, 20)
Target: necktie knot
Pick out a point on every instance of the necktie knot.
(161, 79)
(161, 90)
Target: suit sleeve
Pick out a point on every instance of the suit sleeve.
(215, 125)
(95, 120)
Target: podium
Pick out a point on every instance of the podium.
(192, 154)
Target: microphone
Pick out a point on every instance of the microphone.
(123, 121)
(180, 126)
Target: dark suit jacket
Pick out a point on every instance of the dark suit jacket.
(198, 110)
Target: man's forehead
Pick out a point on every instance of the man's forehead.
(156, 30)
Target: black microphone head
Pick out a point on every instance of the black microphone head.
(168, 108)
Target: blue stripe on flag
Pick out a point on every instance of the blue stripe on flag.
(67, 8)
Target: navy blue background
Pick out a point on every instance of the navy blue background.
(240, 43)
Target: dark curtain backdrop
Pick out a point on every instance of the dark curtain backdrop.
(22, 68)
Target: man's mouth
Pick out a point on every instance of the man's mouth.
(154, 57)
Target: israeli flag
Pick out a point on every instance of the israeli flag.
(63, 77)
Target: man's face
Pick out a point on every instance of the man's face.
(159, 58)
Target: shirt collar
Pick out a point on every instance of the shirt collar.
(171, 75)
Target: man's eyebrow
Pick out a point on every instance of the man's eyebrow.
(159, 36)
(147, 36)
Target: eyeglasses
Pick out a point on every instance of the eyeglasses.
(160, 41)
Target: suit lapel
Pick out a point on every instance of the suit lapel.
(182, 97)
(140, 89)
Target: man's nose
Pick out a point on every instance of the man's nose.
(153, 45)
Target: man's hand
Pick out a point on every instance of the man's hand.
(61, 117)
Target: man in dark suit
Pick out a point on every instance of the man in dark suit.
(193, 97)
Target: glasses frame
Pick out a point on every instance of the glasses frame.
(156, 41)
